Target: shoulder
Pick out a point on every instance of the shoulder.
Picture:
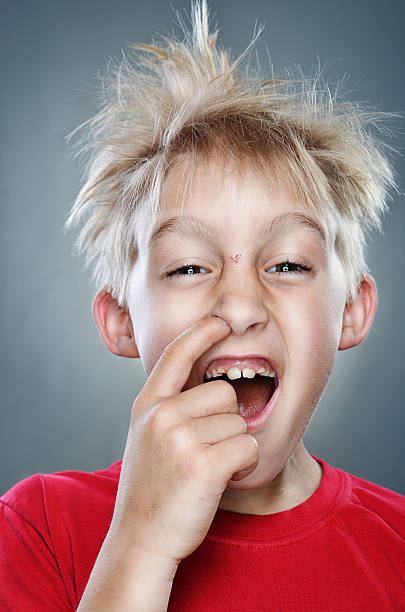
(36, 496)
(377, 504)
(52, 527)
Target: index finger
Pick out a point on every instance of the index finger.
(173, 367)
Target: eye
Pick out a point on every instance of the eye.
(188, 270)
(290, 267)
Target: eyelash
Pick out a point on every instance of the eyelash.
(299, 264)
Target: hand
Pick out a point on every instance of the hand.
(182, 450)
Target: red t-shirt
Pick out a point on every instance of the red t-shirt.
(343, 549)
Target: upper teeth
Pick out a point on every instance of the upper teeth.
(234, 372)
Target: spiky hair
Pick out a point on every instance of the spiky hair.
(186, 99)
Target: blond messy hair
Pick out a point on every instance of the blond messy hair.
(183, 99)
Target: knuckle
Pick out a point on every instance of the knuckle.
(161, 416)
(174, 350)
(136, 406)
(200, 463)
(240, 421)
(138, 410)
(181, 438)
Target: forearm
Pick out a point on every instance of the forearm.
(124, 580)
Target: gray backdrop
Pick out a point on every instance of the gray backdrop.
(65, 400)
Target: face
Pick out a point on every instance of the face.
(288, 313)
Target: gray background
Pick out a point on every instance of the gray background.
(65, 400)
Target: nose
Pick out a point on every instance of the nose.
(240, 301)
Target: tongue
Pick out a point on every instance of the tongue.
(253, 394)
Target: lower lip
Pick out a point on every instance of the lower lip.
(259, 419)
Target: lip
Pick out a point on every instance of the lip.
(204, 367)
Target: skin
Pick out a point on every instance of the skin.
(299, 319)
(188, 450)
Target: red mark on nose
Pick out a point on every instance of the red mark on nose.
(236, 258)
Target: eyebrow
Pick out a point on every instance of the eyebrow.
(190, 226)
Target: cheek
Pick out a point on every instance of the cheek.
(324, 309)
(314, 329)
(311, 342)
(322, 338)
(159, 319)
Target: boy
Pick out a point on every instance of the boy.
(225, 219)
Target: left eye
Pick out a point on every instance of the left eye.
(188, 271)
(289, 267)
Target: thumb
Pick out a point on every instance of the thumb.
(243, 473)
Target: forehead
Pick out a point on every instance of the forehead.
(214, 197)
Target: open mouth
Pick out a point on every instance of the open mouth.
(254, 390)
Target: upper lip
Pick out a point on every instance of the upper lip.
(204, 366)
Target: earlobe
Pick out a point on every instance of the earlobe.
(114, 325)
(359, 315)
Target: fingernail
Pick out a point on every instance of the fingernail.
(244, 473)
(222, 320)
(240, 475)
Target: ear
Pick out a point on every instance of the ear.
(359, 315)
(114, 325)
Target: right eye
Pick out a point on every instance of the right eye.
(188, 270)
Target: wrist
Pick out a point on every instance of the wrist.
(128, 577)
(132, 548)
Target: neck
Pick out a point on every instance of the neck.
(296, 482)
